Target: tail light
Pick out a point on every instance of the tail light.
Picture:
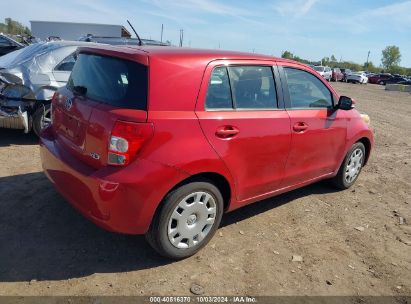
(126, 140)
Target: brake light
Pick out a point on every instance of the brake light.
(126, 140)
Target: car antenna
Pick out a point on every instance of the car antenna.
(138, 37)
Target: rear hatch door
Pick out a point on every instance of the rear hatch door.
(101, 90)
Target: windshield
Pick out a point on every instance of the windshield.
(117, 82)
(319, 68)
(20, 56)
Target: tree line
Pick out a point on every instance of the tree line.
(390, 62)
(13, 27)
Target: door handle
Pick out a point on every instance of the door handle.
(226, 132)
(300, 127)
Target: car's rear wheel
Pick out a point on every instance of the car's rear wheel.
(41, 118)
(188, 218)
(351, 167)
(381, 83)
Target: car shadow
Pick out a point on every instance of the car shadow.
(10, 137)
(43, 238)
(256, 208)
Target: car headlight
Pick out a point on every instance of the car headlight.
(366, 118)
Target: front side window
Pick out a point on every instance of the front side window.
(306, 90)
(241, 87)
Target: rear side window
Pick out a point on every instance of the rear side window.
(241, 87)
(117, 82)
(306, 90)
(67, 64)
(219, 92)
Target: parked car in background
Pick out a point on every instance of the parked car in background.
(379, 78)
(337, 75)
(8, 45)
(117, 145)
(324, 71)
(120, 40)
(395, 79)
(405, 82)
(345, 73)
(28, 79)
(357, 77)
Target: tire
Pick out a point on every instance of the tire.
(40, 121)
(177, 238)
(354, 159)
(381, 83)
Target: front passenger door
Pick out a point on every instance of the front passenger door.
(318, 130)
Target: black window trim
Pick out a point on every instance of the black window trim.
(287, 99)
(277, 87)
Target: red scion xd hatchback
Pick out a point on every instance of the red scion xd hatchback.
(162, 141)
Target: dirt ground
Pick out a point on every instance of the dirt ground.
(47, 248)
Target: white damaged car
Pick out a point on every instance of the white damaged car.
(28, 79)
(357, 77)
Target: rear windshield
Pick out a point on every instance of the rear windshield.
(319, 68)
(117, 82)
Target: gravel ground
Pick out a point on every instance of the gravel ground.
(47, 248)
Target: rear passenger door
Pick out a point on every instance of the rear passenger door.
(318, 129)
(241, 113)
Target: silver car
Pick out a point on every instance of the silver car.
(324, 71)
(28, 79)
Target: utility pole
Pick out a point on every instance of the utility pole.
(368, 56)
(181, 37)
(162, 29)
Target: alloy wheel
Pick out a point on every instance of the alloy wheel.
(45, 120)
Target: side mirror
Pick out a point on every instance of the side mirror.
(345, 103)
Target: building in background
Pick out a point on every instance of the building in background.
(73, 31)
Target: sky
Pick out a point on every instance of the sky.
(311, 29)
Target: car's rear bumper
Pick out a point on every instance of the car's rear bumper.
(14, 118)
(118, 200)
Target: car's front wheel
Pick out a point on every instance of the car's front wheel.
(351, 167)
(188, 218)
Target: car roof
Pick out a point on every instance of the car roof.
(63, 43)
(165, 52)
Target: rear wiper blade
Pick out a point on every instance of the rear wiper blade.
(80, 90)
